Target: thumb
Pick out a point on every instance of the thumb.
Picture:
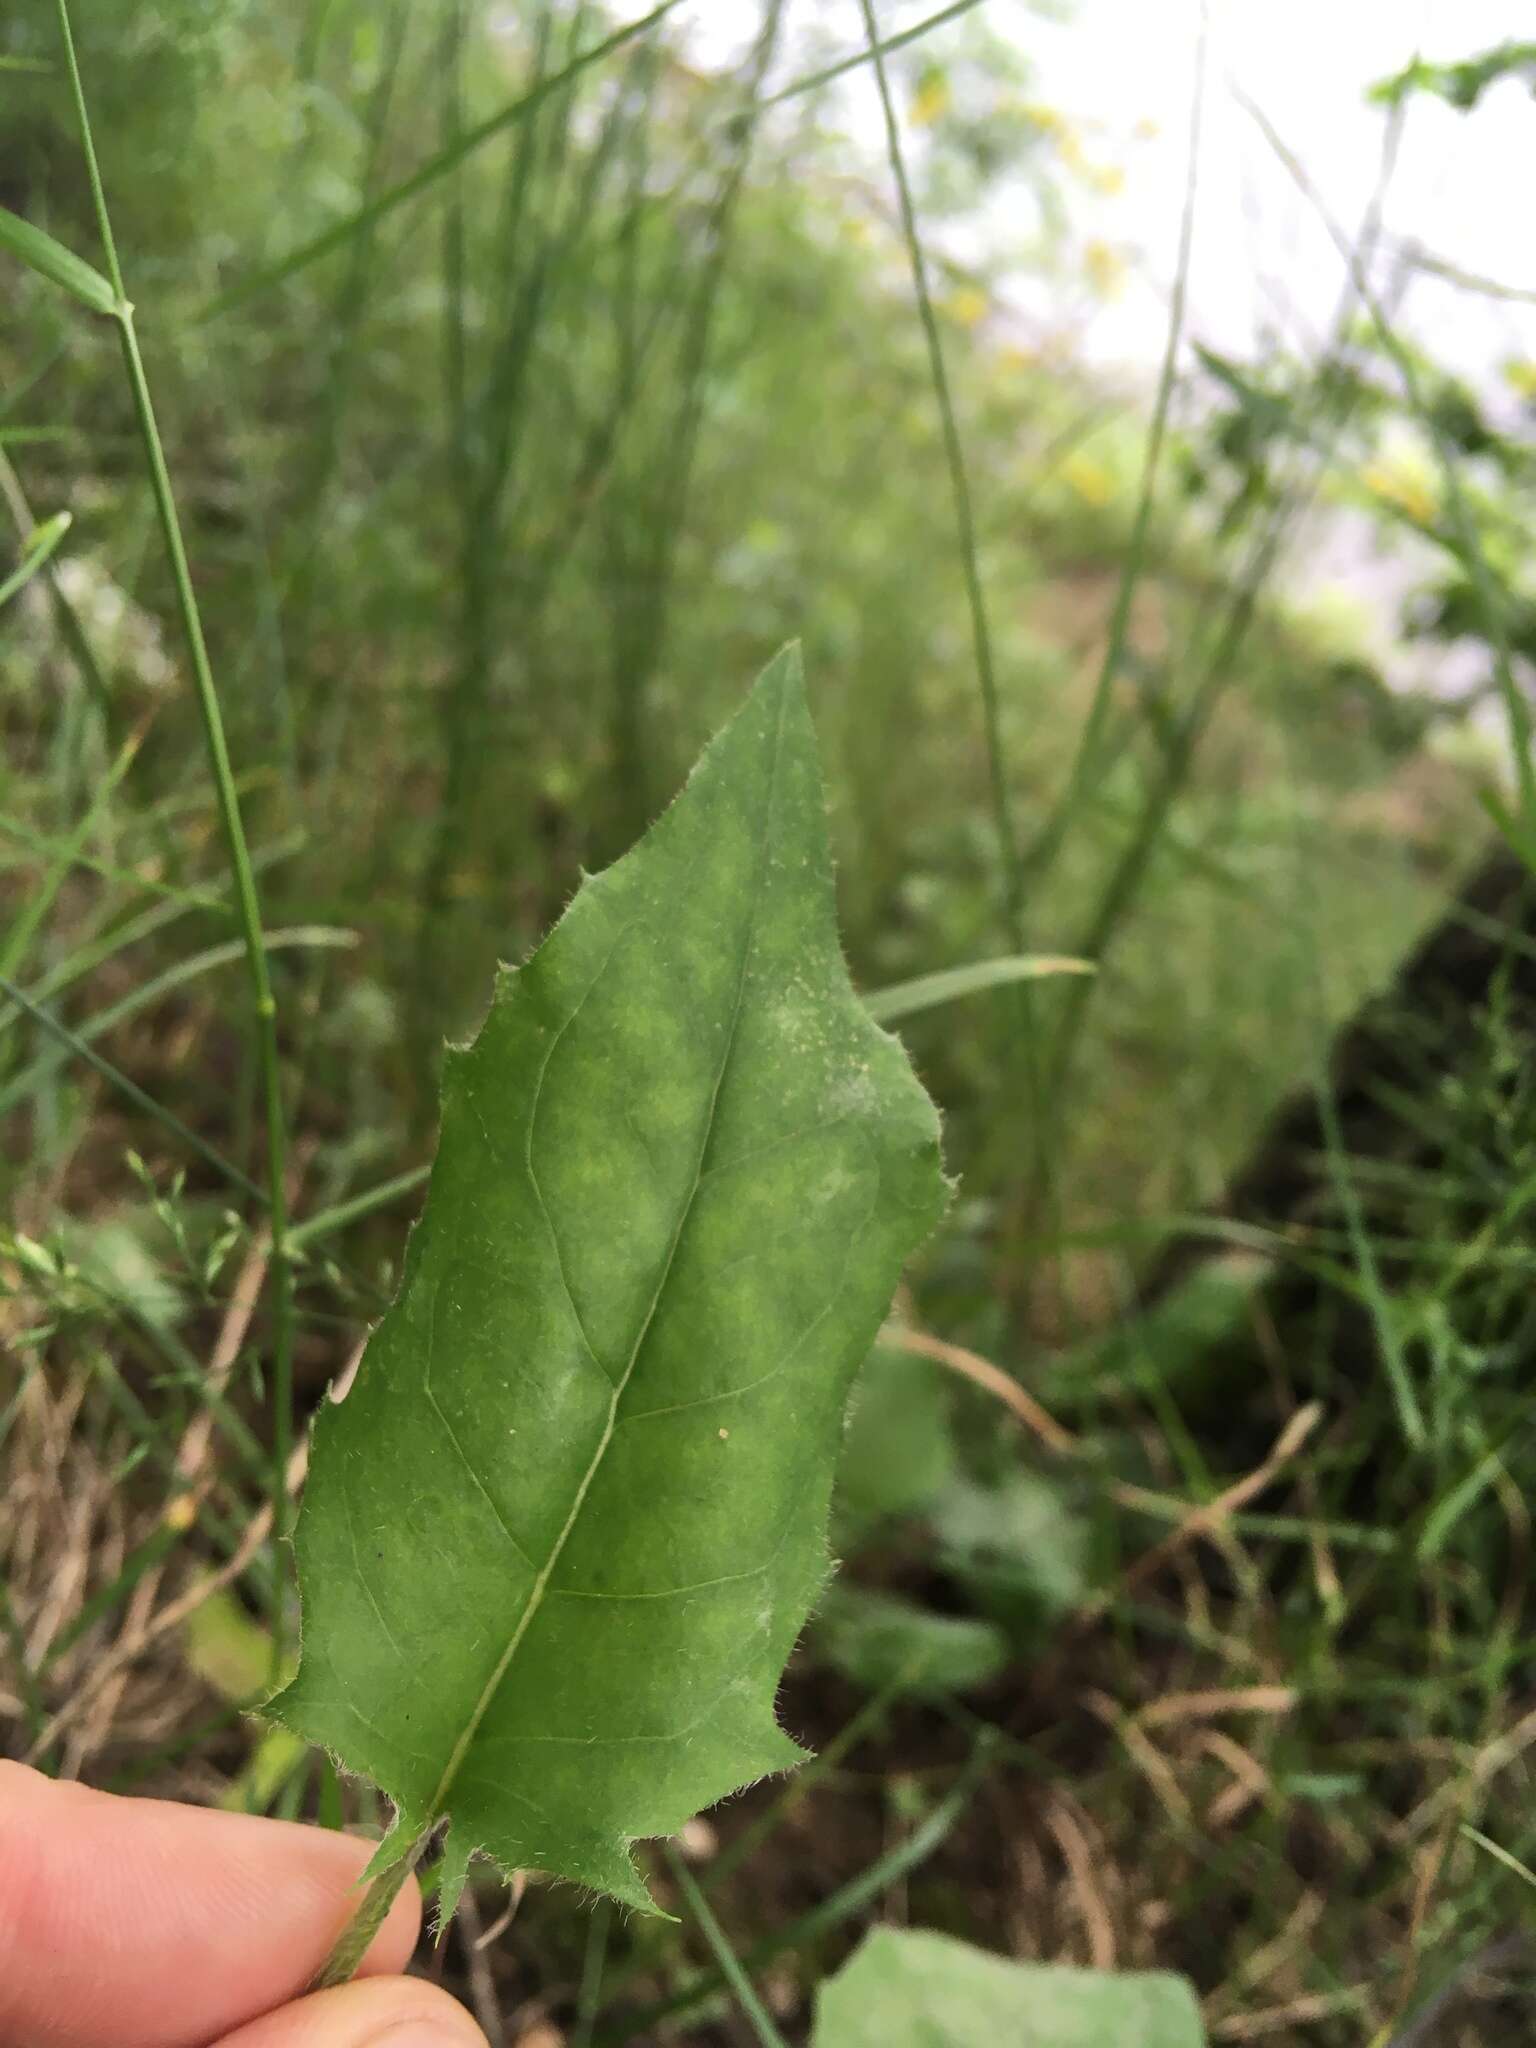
(375, 2012)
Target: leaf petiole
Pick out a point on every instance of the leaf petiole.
(356, 1938)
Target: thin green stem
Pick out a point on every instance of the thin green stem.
(326, 1222)
(128, 1088)
(445, 160)
(1086, 758)
(725, 1956)
(1468, 547)
(900, 41)
(40, 550)
(589, 1996)
(68, 618)
(263, 1005)
(848, 1900)
(960, 487)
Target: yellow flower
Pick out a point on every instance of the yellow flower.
(1108, 179)
(1520, 376)
(1089, 478)
(967, 304)
(1406, 488)
(1105, 267)
(931, 102)
(1047, 120)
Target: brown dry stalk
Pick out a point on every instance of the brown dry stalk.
(982, 1372)
(1210, 1519)
(1092, 1910)
(1200, 1706)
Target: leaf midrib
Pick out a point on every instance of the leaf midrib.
(540, 1585)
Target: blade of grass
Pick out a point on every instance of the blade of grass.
(229, 952)
(960, 490)
(71, 856)
(61, 266)
(906, 1855)
(857, 58)
(644, 1951)
(445, 160)
(145, 924)
(326, 1222)
(67, 617)
(34, 1712)
(755, 2012)
(1497, 1851)
(928, 991)
(1384, 1317)
(41, 898)
(589, 1996)
(1025, 1046)
(1085, 762)
(1215, 671)
(799, 1787)
(42, 544)
(130, 1090)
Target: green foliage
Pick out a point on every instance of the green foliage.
(559, 1540)
(41, 544)
(898, 1451)
(1462, 84)
(1019, 1547)
(1169, 1344)
(907, 1989)
(50, 259)
(890, 1645)
(930, 991)
(488, 499)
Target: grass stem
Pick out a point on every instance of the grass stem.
(263, 1004)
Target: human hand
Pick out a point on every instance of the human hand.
(135, 1923)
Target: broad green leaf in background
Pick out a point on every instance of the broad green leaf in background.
(898, 1449)
(889, 1644)
(1175, 1343)
(1019, 1548)
(904, 1989)
(558, 1541)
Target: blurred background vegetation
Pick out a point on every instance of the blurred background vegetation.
(519, 402)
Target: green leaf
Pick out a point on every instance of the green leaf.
(50, 259)
(905, 1989)
(885, 1643)
(898, 1451)
(907, 998)
(559, 1540)
(1178, 1342)
(1019, 1548)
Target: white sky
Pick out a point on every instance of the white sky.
(1463, 187)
